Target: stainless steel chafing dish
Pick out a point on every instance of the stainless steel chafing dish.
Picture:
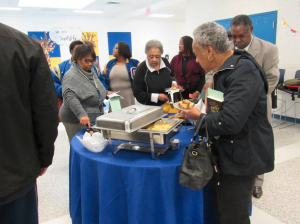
(129, 119)
(129, 124)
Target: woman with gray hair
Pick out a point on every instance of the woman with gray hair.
(152, 76)
(245, 143)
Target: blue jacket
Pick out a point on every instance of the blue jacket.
(60, 70)
(131, 65)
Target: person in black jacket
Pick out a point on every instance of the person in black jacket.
(245, 146)
(152, 76)
(29, 124)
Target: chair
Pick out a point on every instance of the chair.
(274, 93)
(292, 92)
(297, 75)
(281, 76)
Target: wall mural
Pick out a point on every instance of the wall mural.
(57, 36)
(50, 48)
(93, 37)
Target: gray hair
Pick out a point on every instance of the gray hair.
(154, 43)
(241, 20)
(212, 34)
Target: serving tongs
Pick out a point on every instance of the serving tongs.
(173, 116)
(92, 129)
(161, 122)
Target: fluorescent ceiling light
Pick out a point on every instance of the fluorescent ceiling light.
(85, 11)
(9, 8)
(65, 4)
(161, 15)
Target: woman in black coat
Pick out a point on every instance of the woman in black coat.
(245, 142)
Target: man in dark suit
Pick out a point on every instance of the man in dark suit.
(266, 54)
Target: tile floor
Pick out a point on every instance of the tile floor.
(287, 143)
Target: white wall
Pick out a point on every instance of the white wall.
(289, 45)
(168, 32)
(201, 11)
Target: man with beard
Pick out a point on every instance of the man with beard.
(266, 54)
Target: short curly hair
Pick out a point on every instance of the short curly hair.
(212, 34)
(241, 20)
(154, 43)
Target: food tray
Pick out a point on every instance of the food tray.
(143, 135)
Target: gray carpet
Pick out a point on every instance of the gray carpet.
(281, 188)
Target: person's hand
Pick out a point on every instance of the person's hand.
(181, 89)
(205, 86)
(110, 92)
(208, 85)
(196, 94)
(85, 120)
(192, 113)
(43, 170)
(163, 97)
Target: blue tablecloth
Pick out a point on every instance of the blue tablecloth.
(131, 188)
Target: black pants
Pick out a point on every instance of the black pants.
(232, 198)
(21, 211)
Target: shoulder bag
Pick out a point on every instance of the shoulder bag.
(198, 163)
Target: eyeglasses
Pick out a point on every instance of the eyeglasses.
(180, 44)
(154, 56)
(115, 48)
(88, 61)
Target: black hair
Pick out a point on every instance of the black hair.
(74, 43)
(241, 20)
(124, 50)
(187, 43)
(83, 51)
(229, 33)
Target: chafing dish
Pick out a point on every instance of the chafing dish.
(143, 134)
(130, 123)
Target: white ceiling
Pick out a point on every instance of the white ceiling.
(127, 9)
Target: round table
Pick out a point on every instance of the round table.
(132, 188)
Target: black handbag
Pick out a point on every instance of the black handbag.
(198, 164)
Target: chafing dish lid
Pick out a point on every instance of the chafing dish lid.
(130, 118)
